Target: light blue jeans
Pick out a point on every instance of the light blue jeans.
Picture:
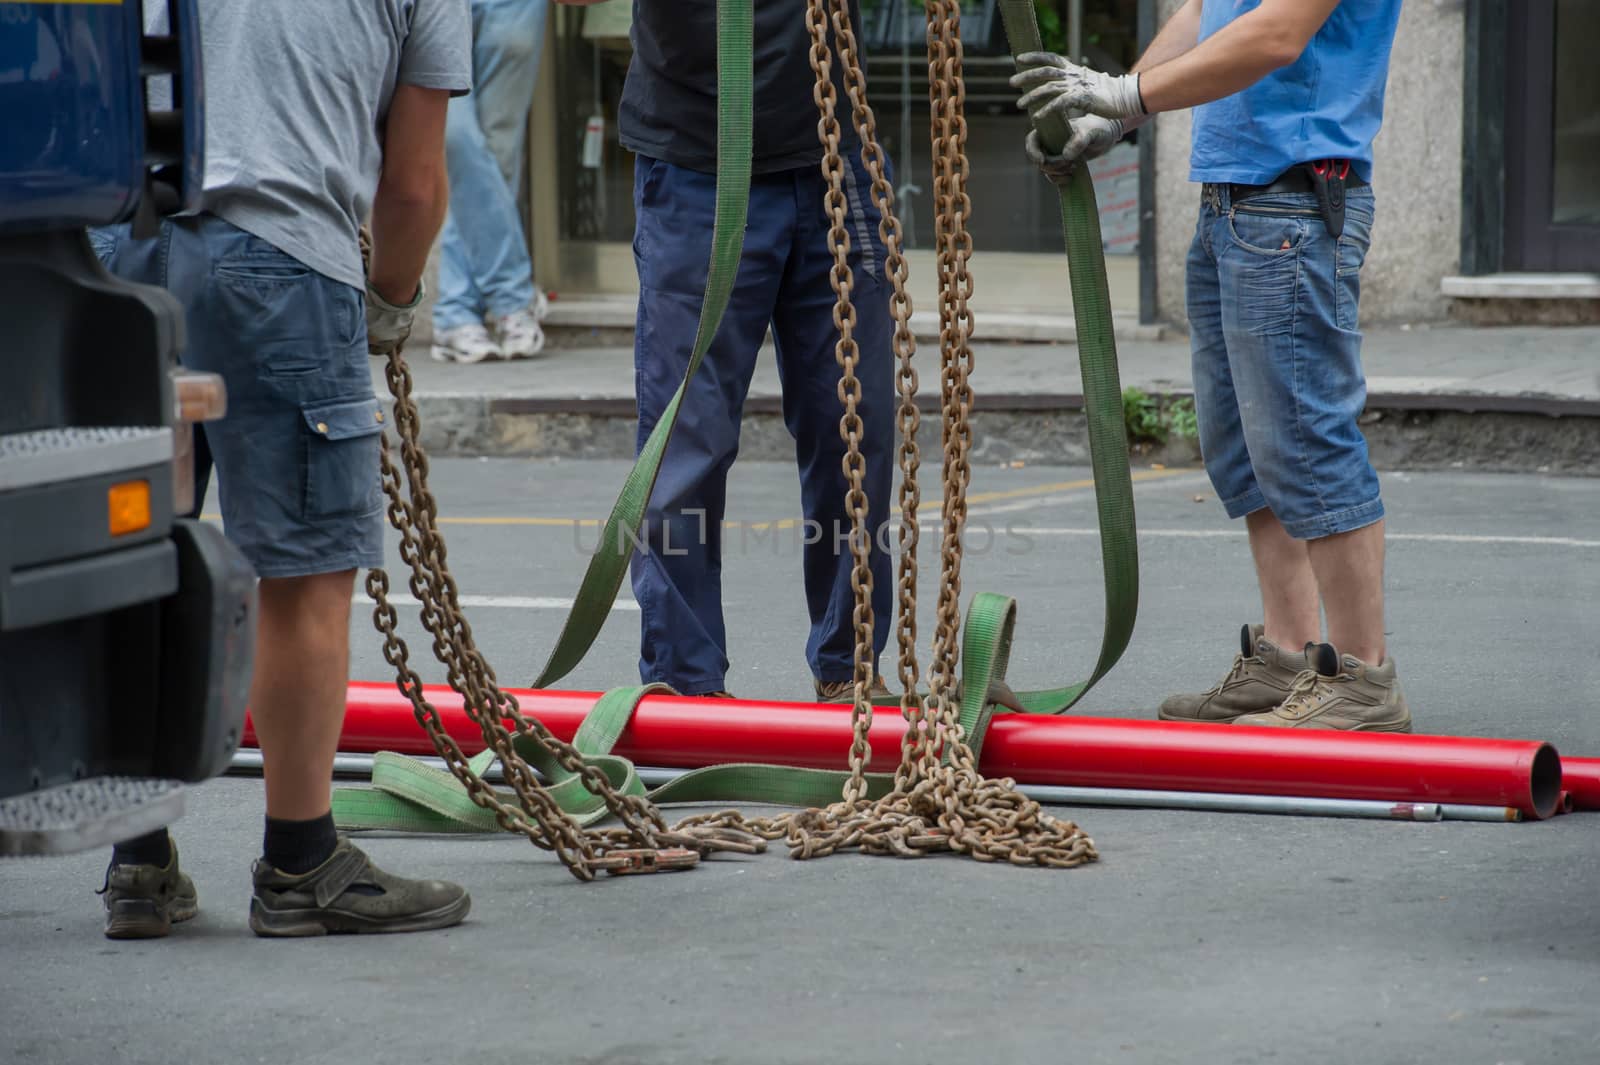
(1276, 346)
(483, 256)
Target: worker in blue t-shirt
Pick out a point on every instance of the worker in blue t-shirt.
(668, 118)
(1287, 97)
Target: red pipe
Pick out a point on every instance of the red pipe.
(1581, 777)
(686, 732)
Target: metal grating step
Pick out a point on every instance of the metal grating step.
(42, 456)
(85, 814)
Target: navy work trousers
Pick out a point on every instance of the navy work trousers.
(782, 282)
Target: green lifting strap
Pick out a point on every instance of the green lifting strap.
(408, 796)
(986, 639)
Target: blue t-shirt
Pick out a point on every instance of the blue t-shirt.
(1328, 104)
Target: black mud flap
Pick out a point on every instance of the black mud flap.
(208, 633)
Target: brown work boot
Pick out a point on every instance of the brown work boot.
(1340, 692)
(1260, 679)
(844, 691)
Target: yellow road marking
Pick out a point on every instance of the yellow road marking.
(976, 498)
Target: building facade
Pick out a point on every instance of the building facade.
(1487, 169)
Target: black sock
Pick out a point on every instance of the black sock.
(152, 848)
(296, 847)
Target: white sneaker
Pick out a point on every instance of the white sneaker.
(465, 343)
(518, 334)
(540, 304)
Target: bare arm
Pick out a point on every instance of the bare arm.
(413, 192)
(1234, 58)
(1180, 34)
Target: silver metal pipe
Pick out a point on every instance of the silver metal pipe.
(1457, 812)
(1231, 803)
(360, 765)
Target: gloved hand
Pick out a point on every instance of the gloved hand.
(388, 326)
(1092, 137)
(1059, 87)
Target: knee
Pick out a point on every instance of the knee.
(317, 595)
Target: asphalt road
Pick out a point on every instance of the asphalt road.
(1198, 938)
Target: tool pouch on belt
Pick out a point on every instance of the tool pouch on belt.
(1328, 178)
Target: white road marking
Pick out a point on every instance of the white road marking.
(1230, 534)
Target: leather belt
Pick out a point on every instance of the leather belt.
(1295, 179)
(1328, 179)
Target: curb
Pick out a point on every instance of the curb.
(1410, 431)
(570, 321)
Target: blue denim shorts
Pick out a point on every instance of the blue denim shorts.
(297, 453)
(1278, 383)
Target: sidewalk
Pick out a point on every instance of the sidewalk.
(1451, 396)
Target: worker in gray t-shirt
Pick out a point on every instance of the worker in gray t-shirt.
(317, 116)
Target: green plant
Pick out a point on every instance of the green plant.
(1052, 30)
(1183, 418)
(1142, 415)
(1155, 419)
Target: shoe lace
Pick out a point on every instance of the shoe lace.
(1306, 690)
(1233, 674)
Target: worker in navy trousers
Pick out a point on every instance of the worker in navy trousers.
(668, 119)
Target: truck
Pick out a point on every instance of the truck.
(127, 623)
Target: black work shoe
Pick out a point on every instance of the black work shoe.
(347, 893)
(145, 901)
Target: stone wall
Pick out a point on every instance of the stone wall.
(1417, 176)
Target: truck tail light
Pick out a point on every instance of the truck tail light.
(128, 507)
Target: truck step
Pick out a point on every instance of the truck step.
(83, 815)
(45, 456)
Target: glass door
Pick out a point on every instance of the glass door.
(1553, 137)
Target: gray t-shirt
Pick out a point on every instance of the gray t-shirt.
(296, 93)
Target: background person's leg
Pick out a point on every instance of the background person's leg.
(483, 265)
(806, 340)
(508, 42)
(677, 580)
(507, 36)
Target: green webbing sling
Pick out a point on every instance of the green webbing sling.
(408, 796)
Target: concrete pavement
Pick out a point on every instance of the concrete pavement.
(1199, 938)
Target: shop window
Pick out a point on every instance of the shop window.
(1014, 209)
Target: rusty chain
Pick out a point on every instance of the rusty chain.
(643, 842)
(939, 801)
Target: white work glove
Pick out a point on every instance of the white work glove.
(1059, 87)
(1092, 137)
(388, 326)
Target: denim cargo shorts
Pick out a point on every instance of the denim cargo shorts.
(1278, 382)
(296, 455)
